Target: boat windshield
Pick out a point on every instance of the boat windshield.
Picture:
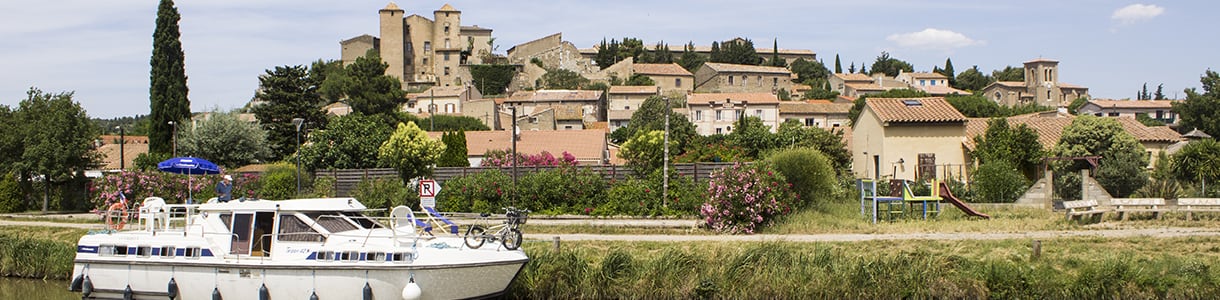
(333, 221)
(362, 220)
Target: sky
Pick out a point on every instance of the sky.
(100, 49)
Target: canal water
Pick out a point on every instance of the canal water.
(23, 288)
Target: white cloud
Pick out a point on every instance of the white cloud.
(1137, 12)
(933, 38)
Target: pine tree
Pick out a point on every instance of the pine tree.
(1159, 95)
(863, 70)
(851, 68)
(715, 55)
(167, 89)
(948, 71)
(838, 65)
(1143, 93)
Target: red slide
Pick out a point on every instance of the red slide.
(947, 195)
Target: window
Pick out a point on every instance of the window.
(450, 108)
(427, 46)
(1160, 114)
(567, 127)
(997, 96)
(758, 113)
(144, 251)
(446, 70)
(934, 83)
(446, 56)
(719, 115)
(759, 80)
(375, 257)
(167, 252)
(1048, 94)
(446, 27)
(193, 252)
(1113, 114)
(425, 63)
(677, 82)
(775, 81)
(744, 79)
(811, 122)
(698, 115)
(921, 82)
(431, 108)
(719, 131)
(447, 43)
(912, 103)
(362, 220)
(730, 79)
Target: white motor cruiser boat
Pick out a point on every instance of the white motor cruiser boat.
(291, 249)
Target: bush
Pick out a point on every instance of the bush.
(560, 190)
(11, 199)
(385, 193)
(642, 197)
(485, 191)
(280, 182)
(999, 182)
(324, 187)
(809, 172)
(743, 197)
(137, 185)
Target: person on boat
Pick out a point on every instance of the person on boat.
(224, 189)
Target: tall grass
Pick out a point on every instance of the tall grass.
(1141, 268)
(38, 252)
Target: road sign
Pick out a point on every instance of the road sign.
(428, 189)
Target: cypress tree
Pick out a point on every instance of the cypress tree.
(838, 65)
(167, 90)
(948, 71)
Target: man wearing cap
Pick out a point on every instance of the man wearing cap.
(224, 189)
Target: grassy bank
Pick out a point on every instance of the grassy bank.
(1085, 268)
(38, 252)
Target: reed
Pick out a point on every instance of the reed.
(37, 252)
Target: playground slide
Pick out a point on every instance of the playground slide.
(947, 195)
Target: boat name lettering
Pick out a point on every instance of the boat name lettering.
(298, 250)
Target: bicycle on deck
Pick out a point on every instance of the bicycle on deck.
(507, 233)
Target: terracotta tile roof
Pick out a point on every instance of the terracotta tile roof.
(918, 75)
(633, 89)
(941, 90)
(670, 69)
(822, 107)
(849, 77)
(475, 28)
(554, 95)
(865, 86)
(721, 68)
(847, 99)
(447, 7)
(1050, 129)
(620, 114)
(440, 91)
(586, 145)
(1153, 104)
(1037, 60)
(1016, 84)
(568, 112)
(110, 153)
(926, 110)
(749, 98)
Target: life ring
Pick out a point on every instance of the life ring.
(122, 219)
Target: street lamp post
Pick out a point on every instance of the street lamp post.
(122, 143)
(174, 140)
(298, 122)
(665, 160)
(513, 135)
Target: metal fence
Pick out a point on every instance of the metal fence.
(346, 180)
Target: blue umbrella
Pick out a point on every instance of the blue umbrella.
(189, 166)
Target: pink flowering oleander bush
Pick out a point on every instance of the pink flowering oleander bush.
(137, 185)
(501, 158)
(742, 198)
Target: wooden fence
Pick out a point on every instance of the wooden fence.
(346, 180)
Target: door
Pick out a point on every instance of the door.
(241, 233)
(927, 166)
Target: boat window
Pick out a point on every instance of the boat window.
(192, 252)
(332, 221)
(167, 251)
(351, 255)
(376, 257)
(242, 227)
(362, 220)
(144, 251)
(293, 229)
(401, 257)
(111, 250)
(324, 256)
(227, 218)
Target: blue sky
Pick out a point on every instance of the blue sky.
(100, 49)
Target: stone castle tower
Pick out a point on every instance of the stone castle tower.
(422, 51)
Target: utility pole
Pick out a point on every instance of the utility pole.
(298, 122)
(174, 140)
(665, 160)
(122, 143)
(513, 132)
(432, 110)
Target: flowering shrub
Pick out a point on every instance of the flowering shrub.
(137, 185)
(642, 197)
(485, 191)
(743, 197)
(501, 158)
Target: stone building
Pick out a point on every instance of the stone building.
(1160, 110)
(1041, 86)
(716, 113)
(816, 113)
(590, 103)
(673, 80)
(422, 51)
(731, 78)
(441, 100)
(934, 84)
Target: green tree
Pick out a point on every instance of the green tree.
(1143, 94)
(858, 106)
(492, 79)
(793, 134)
(891, 66)
(691, 60)
(783, 95)
(1076, 104)
(753, 136)
(563, 79)
(1105, 137)
(288, 92)
(972, 80)
(810, 173)
(455, 150)
(974, 106)
(56, 140)
(1199, 110)
(1009, 74)
(167, 89)
(948, 72)
(819, 93)
(364, 85)
(651, 116)
(640, 80)
(10, 142)
(775, 61)
(1198, 162)
(448, 123)
(661, 55)
(999, 182)
(739, 52)
(347, 142)
(1016, 147)
(808, 72)
(225, 140)
(645, 152)
(838, 65)
(1160, 93)
(410, 151)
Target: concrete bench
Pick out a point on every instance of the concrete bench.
(1079, 208)
(1191, 205)
(1124, 206)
